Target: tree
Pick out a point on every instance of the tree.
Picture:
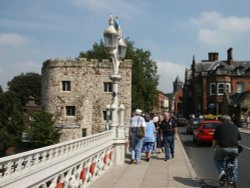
(42, 130)
(26, 85)
(144, 78)
(98, 52)
(144, 73)
(1, 89)
(11, 120)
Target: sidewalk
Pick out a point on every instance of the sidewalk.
(175, 173)
(244, 130)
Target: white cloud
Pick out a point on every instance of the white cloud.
(11, 69)
(13, 40)
(168, 72)
(216, 29)
(17, 55)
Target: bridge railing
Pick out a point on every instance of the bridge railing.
(74, 163)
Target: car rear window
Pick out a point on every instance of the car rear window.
(196, 121)
(210, 125)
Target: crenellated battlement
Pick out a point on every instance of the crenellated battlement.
(82, 62)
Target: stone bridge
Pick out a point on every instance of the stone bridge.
(75, 163)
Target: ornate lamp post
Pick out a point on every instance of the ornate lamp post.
(117, 49)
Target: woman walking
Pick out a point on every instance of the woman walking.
(149, 139)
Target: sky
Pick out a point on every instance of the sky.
(32, 31)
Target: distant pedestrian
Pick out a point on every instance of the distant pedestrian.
(149, 139)
(168, 131)
(159, 141)
(135, 142)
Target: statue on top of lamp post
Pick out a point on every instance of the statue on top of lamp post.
(114, 42)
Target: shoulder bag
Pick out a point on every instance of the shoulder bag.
(139, 130)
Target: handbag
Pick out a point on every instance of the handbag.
(140, 131)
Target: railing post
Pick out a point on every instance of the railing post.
(120, 140)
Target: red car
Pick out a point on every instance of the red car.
(205, 131)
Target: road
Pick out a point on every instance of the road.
(201, 159)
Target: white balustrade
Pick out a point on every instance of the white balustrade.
(74, 163)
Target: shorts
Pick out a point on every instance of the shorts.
(148, 147)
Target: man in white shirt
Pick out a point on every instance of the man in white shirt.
(135, 142)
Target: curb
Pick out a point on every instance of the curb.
(190, 167)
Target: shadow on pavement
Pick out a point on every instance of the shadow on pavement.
(209, 183)
(203, 183)
(188, 181)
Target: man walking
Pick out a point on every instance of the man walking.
(168, 130)
(135, 142)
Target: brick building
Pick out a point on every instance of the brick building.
(207, 82)
(77, 92)
(162, 103)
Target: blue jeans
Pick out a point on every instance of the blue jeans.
(159, 142)
(135, 147)
(168, 142)
(220, 162)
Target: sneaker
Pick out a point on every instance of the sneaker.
(138, 162)
(132, 161)
(222, 175)
(147, 160)
(166, 159)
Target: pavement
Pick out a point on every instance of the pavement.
(174, 173)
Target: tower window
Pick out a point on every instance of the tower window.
(66, 85)
(70, 110)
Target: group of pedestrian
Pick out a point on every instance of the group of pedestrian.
(159, 135)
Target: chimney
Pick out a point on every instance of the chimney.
(230, 56)
(213, 56)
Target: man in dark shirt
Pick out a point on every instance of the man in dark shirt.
(226, 141)
(167, 131)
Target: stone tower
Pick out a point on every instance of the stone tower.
(78, 91)
(177, 84)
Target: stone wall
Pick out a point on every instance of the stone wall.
(86, 94)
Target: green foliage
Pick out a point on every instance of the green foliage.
(26, 85)
(1, 89)
(5, 139)
(98, 52)
(11, 120)
(42, 130)
(144, 78)
(144, 73)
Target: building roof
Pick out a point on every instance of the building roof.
(237, 98)
(223, 66)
